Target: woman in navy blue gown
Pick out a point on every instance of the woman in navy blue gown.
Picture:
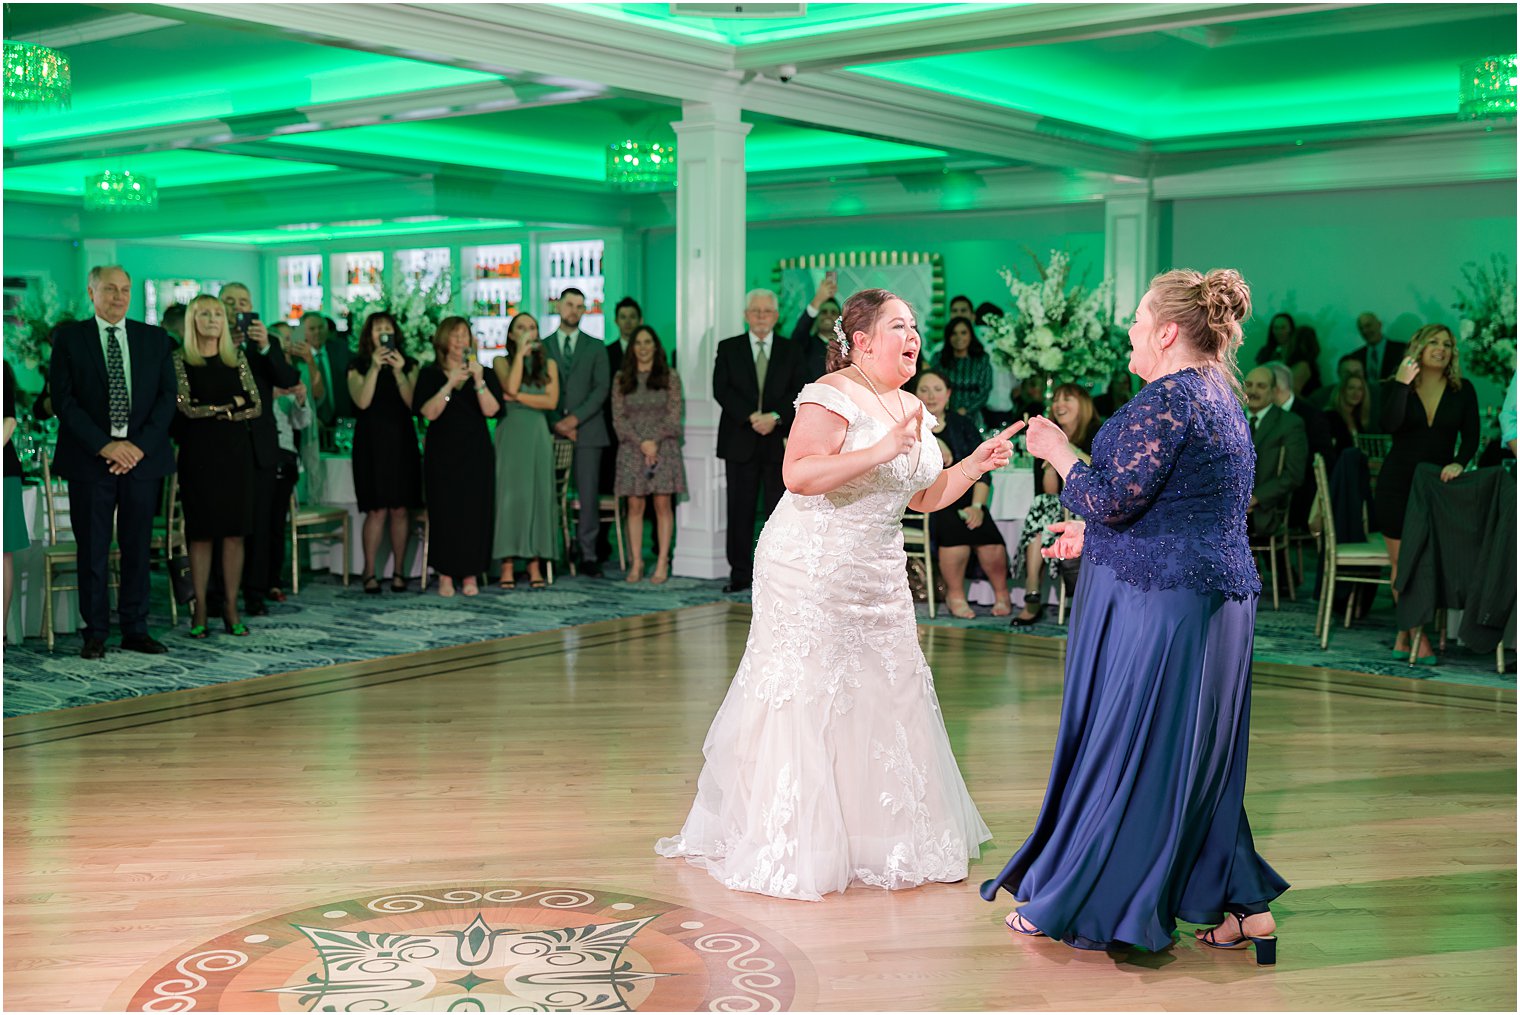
(1144, 820)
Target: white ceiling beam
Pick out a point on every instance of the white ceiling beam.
(1345, 20)
(428, 104)
(559, 46)
(998, 28)
(101, 29)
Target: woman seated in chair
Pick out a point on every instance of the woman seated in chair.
(525, 495)
(1349, 414)
(1073, 411)
(646, 414)
(963, 526)
(216, 397)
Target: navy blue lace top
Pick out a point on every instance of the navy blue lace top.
(1165, 497)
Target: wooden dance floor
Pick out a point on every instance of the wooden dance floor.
(473, 827)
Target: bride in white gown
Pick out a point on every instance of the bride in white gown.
(828, 761)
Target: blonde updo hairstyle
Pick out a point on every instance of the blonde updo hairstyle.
(859, 313)
(1208, 308)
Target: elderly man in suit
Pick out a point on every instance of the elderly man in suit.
(1316, 433)
(1282, 454)
(113, 391)
(585, 380)
(755, 380)
(1378, 356)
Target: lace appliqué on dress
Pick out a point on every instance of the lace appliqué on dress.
(769, 874)
(1174, 461)
(928, 857)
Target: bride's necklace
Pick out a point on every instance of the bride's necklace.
(918, 448)
(872, 384)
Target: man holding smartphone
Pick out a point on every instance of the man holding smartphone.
(265, 545)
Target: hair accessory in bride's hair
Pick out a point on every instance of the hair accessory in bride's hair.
(844, 343)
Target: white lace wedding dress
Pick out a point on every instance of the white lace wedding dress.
(828, 760)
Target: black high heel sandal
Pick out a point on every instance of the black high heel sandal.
(1266, 947)
(1017, 621)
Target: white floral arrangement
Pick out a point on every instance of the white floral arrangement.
(29, 326)
(418, 310)
(1487, 327)
(1065, 335)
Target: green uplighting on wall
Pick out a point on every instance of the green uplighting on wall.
(318, 232)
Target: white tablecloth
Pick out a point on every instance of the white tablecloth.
(336, 489)
(26, 594)
(1012, 493)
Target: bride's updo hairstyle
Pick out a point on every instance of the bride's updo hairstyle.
(1208, 309)
(859, 314)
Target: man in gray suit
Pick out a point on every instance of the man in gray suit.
(585, 380)
(1282, 454)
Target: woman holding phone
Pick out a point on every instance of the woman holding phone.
(387, 466)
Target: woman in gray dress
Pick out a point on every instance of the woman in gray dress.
(524, 454)
(646, 414)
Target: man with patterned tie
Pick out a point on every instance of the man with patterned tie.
(113, 391)
(755, 380)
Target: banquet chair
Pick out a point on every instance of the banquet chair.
(610, 507)
(1276, 545)
(60, 557)
(1371, 555)
(169, 533)
(323, 518)
(1375, 446)
(915, 528)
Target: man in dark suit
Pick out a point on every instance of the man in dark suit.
(755, 380)
(1316, 433)
(1282, 454)
(328, 363)
(815, 328)
(265, 545)
(113, 391)
(1379, 358)
(584, 384)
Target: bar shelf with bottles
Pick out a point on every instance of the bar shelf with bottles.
(420, 268)
(493, 290)
(162, 293)
(575, 264)
(300, 287)
(356, 276)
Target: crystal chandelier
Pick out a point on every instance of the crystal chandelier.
(36, 78)
(119, 190)
(641, 165)
(1488, 88)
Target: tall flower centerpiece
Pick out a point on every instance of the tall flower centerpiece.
(419, 306)
(1487, 326)
(29, 325)
(1058, 333)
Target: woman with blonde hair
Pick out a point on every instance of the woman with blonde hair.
(216, 396)
(457, 395)
(1349, 413)
(1144, 820)
(1432, 416)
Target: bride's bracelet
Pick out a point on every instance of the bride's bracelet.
(961, 465)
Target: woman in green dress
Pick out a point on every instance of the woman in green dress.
(525, 454)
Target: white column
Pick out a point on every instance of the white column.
(1130, 220)
(710, 237)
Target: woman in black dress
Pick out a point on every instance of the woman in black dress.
(456, 395)
(216, 397)
(963, 526)
(1074, 412)
(1426, 407)
(387, 464)
(1279, 337)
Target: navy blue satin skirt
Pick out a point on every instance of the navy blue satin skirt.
(1144, 819)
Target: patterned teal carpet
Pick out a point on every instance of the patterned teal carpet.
(329, 624)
